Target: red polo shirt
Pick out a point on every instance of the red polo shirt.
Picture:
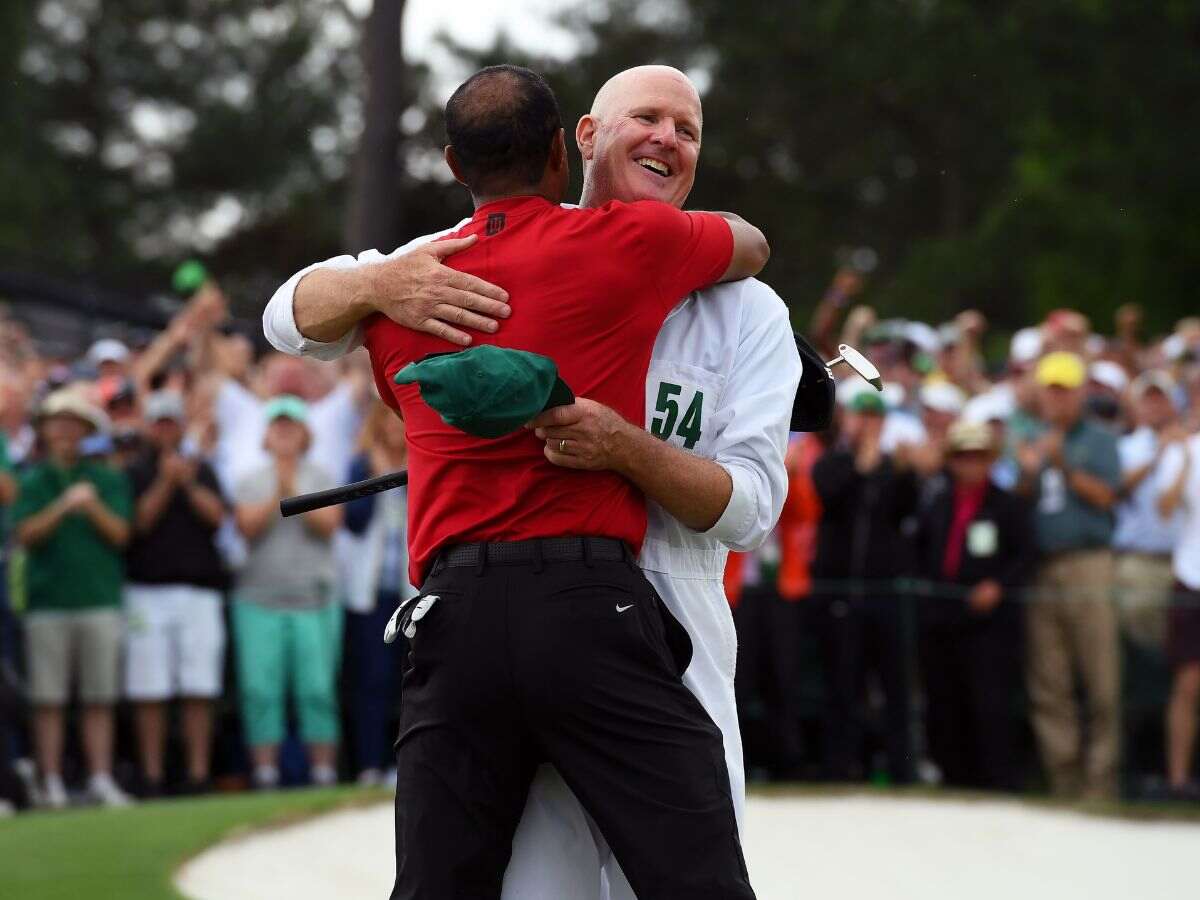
(589, 288)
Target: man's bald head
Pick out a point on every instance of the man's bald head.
(641, 140)
(502, 125)
(637, 82)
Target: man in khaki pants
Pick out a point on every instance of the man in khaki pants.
(1073, 471)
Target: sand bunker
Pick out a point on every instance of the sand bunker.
(847, 848)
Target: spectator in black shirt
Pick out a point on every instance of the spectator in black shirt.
(865, 497)
(176, 631)
(975, 549)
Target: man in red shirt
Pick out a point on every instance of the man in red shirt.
(546, 643)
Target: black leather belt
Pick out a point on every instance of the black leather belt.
(558, 549)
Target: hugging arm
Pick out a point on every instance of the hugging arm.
(319, 311)
(750, 249)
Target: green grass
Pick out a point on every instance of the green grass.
(132, 854)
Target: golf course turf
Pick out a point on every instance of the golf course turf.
(132, 853)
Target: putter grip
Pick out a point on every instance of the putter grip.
(294, 506)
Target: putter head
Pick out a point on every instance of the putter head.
(860, 364)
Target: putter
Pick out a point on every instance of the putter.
(859, 363)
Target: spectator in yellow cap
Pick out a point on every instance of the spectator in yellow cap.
(1072, 471)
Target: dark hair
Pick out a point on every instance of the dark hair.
(500, 123)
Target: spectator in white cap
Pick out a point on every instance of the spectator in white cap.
(994, 409)
(1025, 347)
(1143, 540)
(175, 639)
(1107, 382)
(941, 404)
(72, 518)
(1020, 385)
(110, 357)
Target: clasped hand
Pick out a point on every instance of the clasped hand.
(585, 435)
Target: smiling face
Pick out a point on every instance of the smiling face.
(641, 140)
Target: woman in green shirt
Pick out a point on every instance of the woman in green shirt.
(72, 518)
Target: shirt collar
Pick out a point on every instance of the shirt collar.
(510, 205)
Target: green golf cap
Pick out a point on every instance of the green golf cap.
(286, 406)
(868, 402)
(487, 391)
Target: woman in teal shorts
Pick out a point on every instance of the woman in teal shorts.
(287, 626)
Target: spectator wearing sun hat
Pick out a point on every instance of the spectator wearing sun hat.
(72, 517)
(1072, 471)
(974, 552)
(286, 621)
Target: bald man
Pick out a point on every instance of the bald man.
(719, 393)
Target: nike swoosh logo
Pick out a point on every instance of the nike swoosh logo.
(623, 608)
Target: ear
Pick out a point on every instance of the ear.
(585, 136)
(454, 165)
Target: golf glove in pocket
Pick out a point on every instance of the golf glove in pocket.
(404, 620)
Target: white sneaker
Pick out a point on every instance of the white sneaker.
(324, 776)
(369, 778)
(54, 793)
(266, 778)
(7, 809)
(103, 790)
(27, 772)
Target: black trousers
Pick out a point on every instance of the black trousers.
(769, 631)
(861, 636)
(972, 675)
(574, 664)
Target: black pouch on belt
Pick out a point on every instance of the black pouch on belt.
(813, 407)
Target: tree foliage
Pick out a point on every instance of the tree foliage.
(1013, 155)
(153, 129)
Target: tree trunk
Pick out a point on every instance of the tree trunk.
(372, 213)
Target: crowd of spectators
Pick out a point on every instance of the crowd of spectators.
(964, 564)
(157, 607)
(979, 558)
